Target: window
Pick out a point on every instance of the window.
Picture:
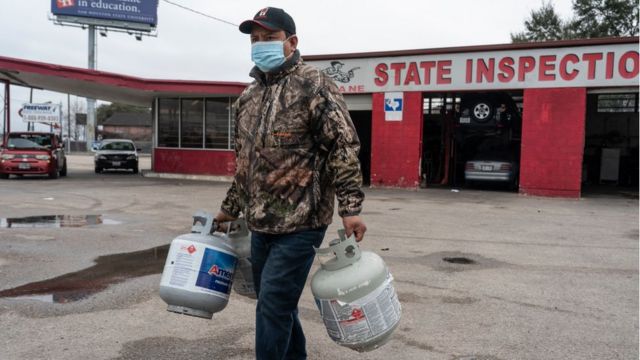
(218, 125)
(32, 140)
(617, 103)
(199, 123)
(435, 105)
(168, 122)
(118, 145)
(191, 123)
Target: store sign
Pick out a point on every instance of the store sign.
(131, 11)
(584, 66)
(393, 106)
(42, 113)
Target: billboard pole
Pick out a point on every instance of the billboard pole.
(91, 103)
(31, 126)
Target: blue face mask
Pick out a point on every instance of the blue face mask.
(267, 55)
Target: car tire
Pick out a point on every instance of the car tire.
(98, 170)
(4, 176)
(54, 175)
(63, 172)
(135, 170)
(482, 111)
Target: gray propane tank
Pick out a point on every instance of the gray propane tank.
(355, 295)
(241, 241)
(198, 274)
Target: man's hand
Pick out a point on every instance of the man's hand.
(221, 218)
(354, 225)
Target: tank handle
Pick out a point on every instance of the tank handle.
(238, 228)
(345, 251)
(203, 223)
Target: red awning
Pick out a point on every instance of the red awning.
(107, 86)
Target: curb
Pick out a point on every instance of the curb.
(213, 178)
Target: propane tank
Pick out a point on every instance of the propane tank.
(198, 274)
(241, 241)
(355, 295)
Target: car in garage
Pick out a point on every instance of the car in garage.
(116, 154)
(494, 162)
(33, 153)
(493, 167)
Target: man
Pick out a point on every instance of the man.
(296, 148)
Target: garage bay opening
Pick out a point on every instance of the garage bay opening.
(610, 163)
(362, 122)
(472, 139)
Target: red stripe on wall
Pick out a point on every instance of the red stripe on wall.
(197, 162)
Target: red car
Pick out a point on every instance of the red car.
(27, 153)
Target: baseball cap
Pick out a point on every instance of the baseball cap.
(272, 19)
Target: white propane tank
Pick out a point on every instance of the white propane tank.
(355, 295)
(241, 241)
(198, 274)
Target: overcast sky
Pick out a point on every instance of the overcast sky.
(191, 46)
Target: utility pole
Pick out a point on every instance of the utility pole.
(7, 110)
(91, 103)
(4, 113)
(68, 124)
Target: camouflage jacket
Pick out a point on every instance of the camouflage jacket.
(296, 149)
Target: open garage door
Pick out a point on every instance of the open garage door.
(362, 121)
(610, 162)
(472, 139)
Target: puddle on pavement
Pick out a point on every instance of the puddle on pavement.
(108, 270)
(55, 221)
(459, 260)
(452, 261)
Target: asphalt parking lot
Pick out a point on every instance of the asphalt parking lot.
(542, 279)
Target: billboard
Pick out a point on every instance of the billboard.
(42, 113)
(128, 14)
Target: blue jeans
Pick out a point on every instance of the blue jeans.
(281, 264)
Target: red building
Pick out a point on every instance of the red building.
(576, 120)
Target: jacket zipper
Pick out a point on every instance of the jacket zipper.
(252, 155)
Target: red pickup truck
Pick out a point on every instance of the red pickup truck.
(27, 153)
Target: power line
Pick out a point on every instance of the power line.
(200, 13)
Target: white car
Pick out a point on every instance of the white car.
(492, 167)
(116, 154)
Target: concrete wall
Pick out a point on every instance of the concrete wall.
(553, 126)
(396, 145)
(200, 162)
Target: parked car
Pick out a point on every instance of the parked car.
(493, 162)
(482, 110)
(116, 154)
(95, 145)
(31, 153)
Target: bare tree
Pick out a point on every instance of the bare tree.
(77, 107)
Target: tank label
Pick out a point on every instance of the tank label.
(363, 319)
(199, 268)
(216, 271)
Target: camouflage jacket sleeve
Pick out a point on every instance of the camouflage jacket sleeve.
(337, 136)
(231, 205)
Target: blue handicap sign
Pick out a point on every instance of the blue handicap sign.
(394, 104)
